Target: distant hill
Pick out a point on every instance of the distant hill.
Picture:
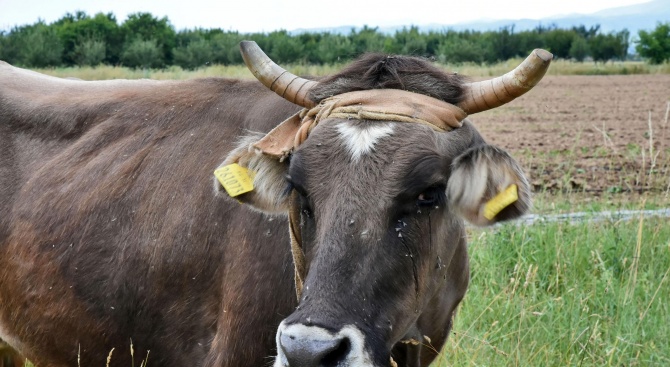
(631, 17)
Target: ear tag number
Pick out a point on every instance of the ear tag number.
(236, 179)
(501, 201)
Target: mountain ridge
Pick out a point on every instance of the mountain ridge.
(635, 17)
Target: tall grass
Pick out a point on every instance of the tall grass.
(566, 295)
(559, 67)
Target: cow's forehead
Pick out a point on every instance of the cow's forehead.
(359, 153)
(358, 139)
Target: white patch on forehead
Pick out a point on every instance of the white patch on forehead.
(360, 139)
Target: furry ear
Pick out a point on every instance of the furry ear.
(271, 189)
(482, 178)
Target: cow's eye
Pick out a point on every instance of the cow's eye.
(431, 196)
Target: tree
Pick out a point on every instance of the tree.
(333, 48)
(504, 44)
(458, 50)
(197, 53)
(579, 48)
(655, 45)
(76, 29)
(284, 48)
(408, 41)
(142, 53)
(559, 42)
(225, 47)
(605, 47)
(36, 45)
(145, 27)
(367, 40)
(89, 52)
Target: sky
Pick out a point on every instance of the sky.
(269, 15)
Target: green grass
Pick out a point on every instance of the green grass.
(559, 67)
(566, 295)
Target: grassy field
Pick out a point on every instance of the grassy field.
(559, 67)
(566, 295)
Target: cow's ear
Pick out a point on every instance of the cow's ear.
(487, 186)
(270, 193)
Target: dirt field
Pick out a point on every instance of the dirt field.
(588, 133)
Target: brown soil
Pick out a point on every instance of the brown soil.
(588, 133)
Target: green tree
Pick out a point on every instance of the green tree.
(605, 47)
(284, 48)
(37, 45)
(333, 48)
(366, 40)
(579, 49)
(90, 52)
(226, 47)
(459, 50)
(76, 29)
(8, 49)
(586, 33)
(196, 54)
(504, 44)
(408, 41)
(559, 42)
(145, 27)
(655, 45)
(142, 54)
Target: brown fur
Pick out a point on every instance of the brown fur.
(380, 71)
(110, 231)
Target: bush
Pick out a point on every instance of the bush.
(579, 48)
(459, 50)
(90, 52)
(142, 53)
(37, 46)
(197, 53)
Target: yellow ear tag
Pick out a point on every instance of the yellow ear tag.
(236, 179)
(500, 202)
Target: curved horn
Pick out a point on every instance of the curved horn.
(488, 94)
(288, 86)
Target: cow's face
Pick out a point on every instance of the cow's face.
(381, 206)
(381, 203)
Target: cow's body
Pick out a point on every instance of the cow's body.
(109, 232)
(113, 232)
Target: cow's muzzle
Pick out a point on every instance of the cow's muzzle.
(300, 345)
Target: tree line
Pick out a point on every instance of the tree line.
(146, 41)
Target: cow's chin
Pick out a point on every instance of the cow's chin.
(303, 338)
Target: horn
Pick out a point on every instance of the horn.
(488, 94)
(288, 86)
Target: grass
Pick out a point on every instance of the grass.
(559, 67)
(566, 295)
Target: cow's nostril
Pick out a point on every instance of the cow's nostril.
(337, 355)
(306, 351)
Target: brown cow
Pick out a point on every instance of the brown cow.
(111, 232)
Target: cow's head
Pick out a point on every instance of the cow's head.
(379, 205)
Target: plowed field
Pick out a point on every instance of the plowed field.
(588, 133)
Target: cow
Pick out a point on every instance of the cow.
(119, 246)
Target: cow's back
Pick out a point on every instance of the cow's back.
(110, 229)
